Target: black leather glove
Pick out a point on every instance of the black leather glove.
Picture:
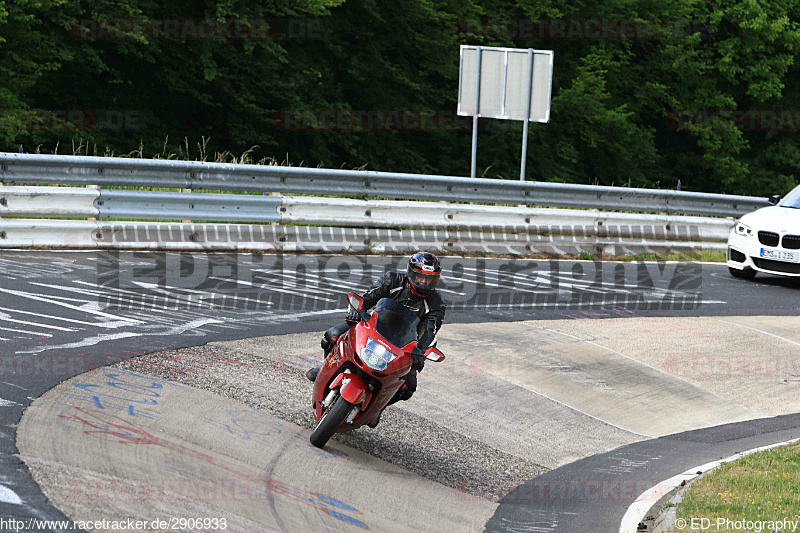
(352, 317)
(419, 359)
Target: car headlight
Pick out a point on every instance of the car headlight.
(742, 229)
(376, 355)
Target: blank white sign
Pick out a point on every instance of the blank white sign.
(504, 83)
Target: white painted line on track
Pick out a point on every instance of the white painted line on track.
(566, 283)
(725, 400)
(137, 299)
(7, 318)
(54, 300)
(325, 280)
(268, 287)
(281, 318)
(63, 319)
(89, 341)
(27, 332)
(97, 339)
(760, 331)
(9, 496)
(194, 299)
(639, 508)
(568, 305)
(581, 412)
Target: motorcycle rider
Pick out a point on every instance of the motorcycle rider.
(416, 290)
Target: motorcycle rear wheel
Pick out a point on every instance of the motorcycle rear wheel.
(330, 422)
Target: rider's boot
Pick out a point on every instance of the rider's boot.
(312, 373)
(326, 344)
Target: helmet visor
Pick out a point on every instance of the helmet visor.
(423, 281)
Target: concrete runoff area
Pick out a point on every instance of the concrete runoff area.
(222, 430)
(586, 364)
(196, 454)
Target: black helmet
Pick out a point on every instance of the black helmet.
(423, 273)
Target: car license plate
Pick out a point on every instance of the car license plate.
(780, 255)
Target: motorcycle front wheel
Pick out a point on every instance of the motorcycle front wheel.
(330, 422)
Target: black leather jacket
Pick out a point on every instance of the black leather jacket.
(430, 309)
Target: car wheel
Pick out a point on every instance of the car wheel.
(745, 273)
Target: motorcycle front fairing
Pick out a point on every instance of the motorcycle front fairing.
(393, 362)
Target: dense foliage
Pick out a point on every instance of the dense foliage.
(645, 92)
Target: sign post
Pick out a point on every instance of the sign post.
(504, 83)
(475, 117)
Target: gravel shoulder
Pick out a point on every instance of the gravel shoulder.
(423, 445)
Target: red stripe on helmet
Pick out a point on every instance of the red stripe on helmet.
(425, 271)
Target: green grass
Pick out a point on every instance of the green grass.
(763, 486)
(707, 256)
(701, 256)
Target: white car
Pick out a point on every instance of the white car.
(767, 240)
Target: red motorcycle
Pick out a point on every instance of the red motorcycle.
(365, 368)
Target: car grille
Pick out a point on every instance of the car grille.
(768, 238)
(777, 266)
(735, 255)
(791, 242)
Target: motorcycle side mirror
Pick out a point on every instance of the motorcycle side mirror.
(355, 301)
(433, 354)
(774, 199)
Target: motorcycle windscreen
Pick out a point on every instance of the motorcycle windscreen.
(396, 323)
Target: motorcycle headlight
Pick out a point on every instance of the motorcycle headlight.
(742, 229)
(376, 355)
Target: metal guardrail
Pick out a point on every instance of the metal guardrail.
(103, 235)
(308, 210)
(157, 205)
(316, 211)
(48, 202)
(124, 204)
(333, 225)
(110, 171)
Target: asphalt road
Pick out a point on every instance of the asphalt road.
(593, 494)
(66, 313)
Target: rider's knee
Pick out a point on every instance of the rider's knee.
(337, 331)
